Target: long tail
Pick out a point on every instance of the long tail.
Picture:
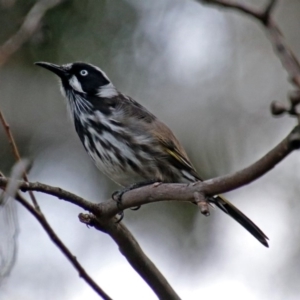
(237, 215)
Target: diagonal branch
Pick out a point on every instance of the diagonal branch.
(130, 248)
(284, 52)
(38, 214)
(269, 8)
(58, 242)
(30, 25)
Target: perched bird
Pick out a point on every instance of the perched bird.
(126, 141)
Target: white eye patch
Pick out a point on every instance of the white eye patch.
(84, 72)
(75, 84)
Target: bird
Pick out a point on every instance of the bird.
(125, 140)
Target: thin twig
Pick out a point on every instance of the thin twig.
(236, 6)
(268, 10)
(16, 153)
(53, 191)
(58, 242)
(30, 25)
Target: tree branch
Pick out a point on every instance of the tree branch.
(235, 6)
(268, 10)
(177, 192)
(58, 242)
(38, 214)
(16, 153)
(281, 48)
(30, 25)
(222, 184)
(130, 248)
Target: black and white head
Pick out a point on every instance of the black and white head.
(81, 80)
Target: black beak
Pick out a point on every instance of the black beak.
(56, 69)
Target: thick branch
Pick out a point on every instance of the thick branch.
(130, 248)
(178, 192)
(182, 192)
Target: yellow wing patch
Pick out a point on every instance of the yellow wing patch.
(190, 171)
(179, 157)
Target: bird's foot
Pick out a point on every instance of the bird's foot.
(121, 216)
(117, 195)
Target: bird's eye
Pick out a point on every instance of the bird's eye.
(83, 72)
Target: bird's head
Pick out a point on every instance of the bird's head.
(82, 78)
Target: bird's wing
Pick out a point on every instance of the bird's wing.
(163, 138)
(174, 150)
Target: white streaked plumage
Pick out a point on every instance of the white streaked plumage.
(127, 142)
(77, 105)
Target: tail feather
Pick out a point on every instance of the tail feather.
(237, 215)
